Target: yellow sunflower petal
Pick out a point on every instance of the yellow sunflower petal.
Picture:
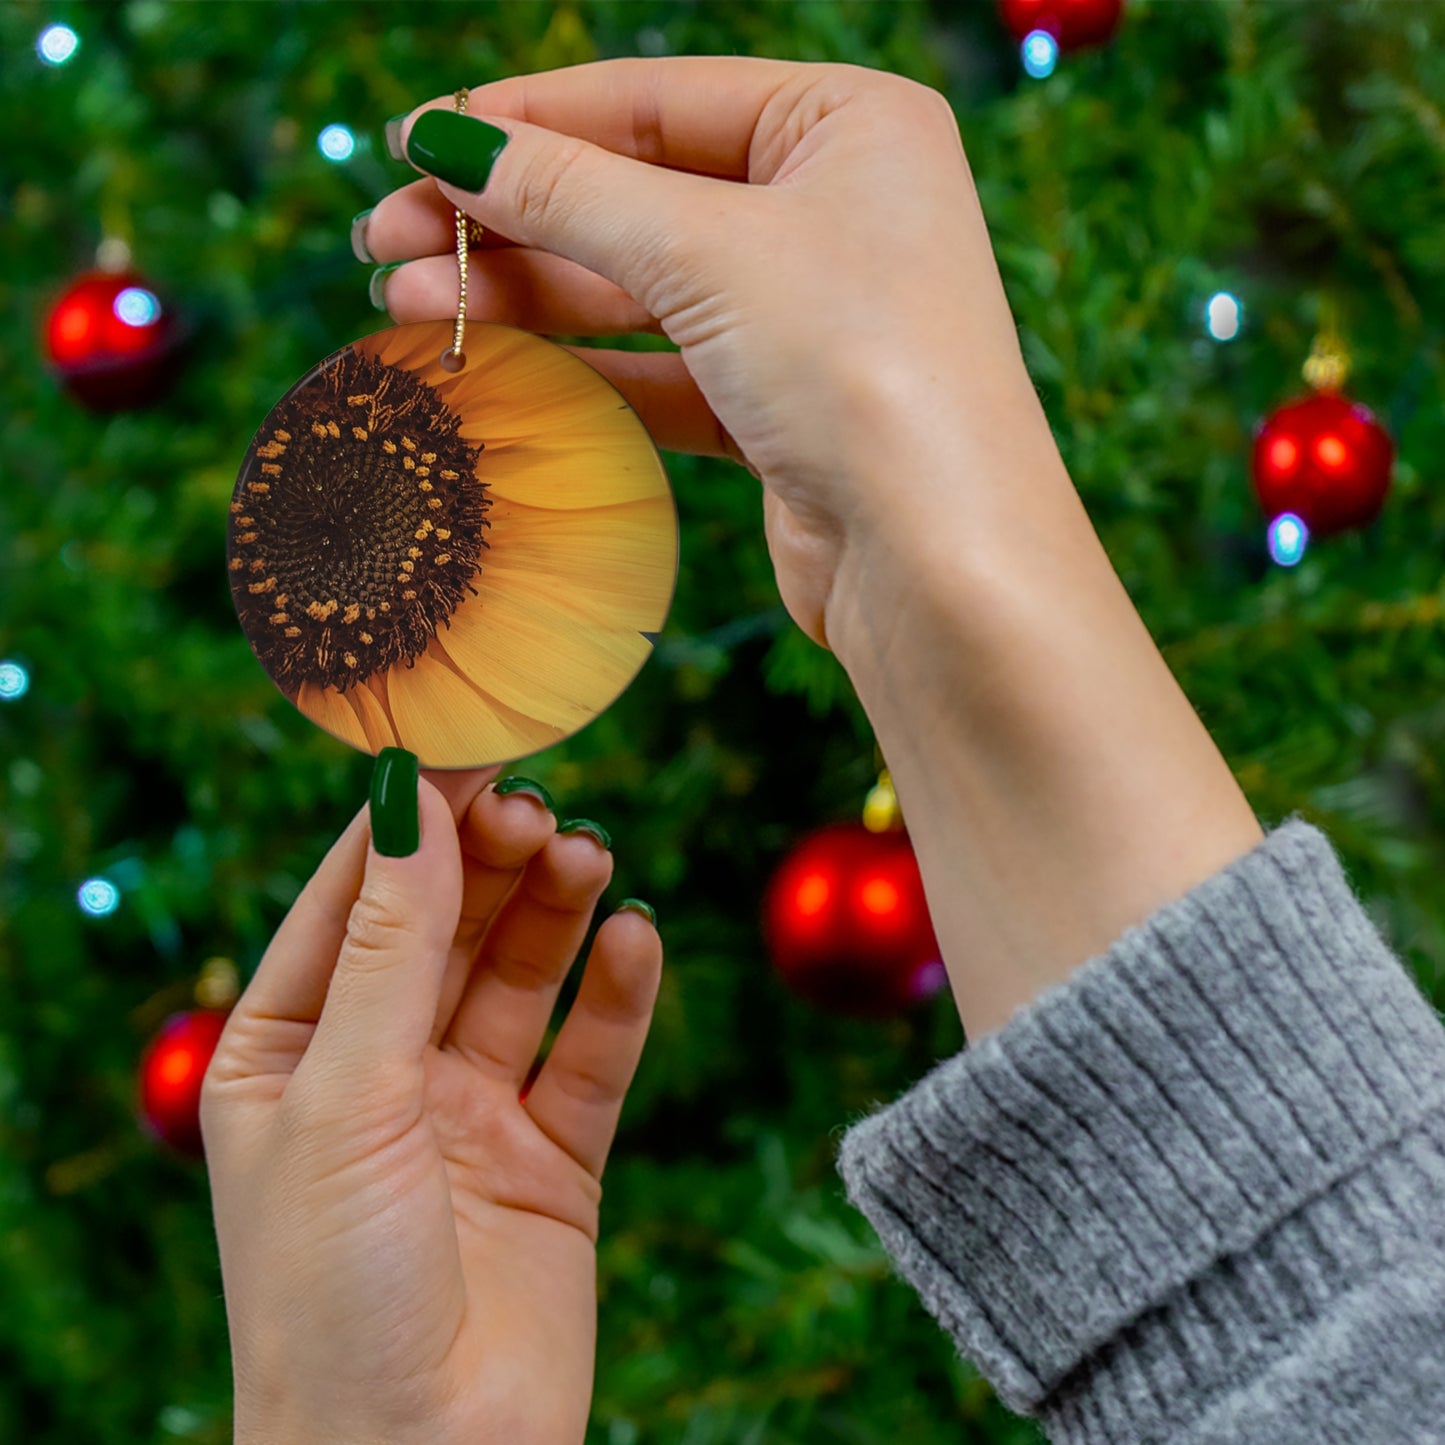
(417, 347)
(371, 714)
(450, 723)
(544, 660)
(616, 564)
(328, 709)
(573, 469)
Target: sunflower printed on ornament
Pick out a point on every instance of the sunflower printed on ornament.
(464, 564)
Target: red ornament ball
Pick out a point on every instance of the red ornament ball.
(171, 1072)
(112, 341)
(847, 924)
(1073, 23)
(1326, 459)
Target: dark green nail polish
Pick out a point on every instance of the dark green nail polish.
(586, 825)
(455, 148)
(526, 785)
(358, 237)
(636, 905)
(393, 136)
(376, 288)
(395, 820)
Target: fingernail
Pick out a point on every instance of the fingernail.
(376, 288)
(525, 785)
(455, 148)
(358, 236)
(586, 825)
(395, 820)
(393, 137)
(636, 905)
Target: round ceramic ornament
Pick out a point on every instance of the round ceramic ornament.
(454, 538)
(468, 563)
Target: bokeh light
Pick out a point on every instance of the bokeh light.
(57, 44)
(812, 895)
(98, 897)
(879, 897)
(1040, 53)
(1223, 316)
(14, 681)
(1288, 538)
(336, 143)
(137, 307)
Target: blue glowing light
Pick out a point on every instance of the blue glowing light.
(14, 681)
(1223, 316)
(1040, 53)
(336, 143)
(1288, 538)
(98, 897)
(137, 307)
(57, 44)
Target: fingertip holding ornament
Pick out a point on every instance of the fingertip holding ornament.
(462, 564)
(395, 807)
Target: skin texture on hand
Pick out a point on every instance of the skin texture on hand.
(408, 1249)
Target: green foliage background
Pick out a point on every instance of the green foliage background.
(1286, 152)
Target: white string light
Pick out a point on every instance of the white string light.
(336, 143)
(57, 44)
(1040, 53)
(98, 897)
(14, 681)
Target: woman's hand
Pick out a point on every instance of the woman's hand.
(810, 237)
(832, 312)
(408, 1247)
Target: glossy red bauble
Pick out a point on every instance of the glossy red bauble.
(171, 1072)
(112, 341)
(1326, 459)
(1073, 23)
(847, 923)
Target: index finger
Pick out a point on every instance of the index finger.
(695, 113)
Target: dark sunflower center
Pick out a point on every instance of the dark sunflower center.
(356, 525)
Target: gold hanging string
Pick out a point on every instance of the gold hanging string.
(455, 359)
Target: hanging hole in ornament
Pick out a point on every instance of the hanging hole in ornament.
(452, 360)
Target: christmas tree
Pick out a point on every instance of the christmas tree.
(1180, 213)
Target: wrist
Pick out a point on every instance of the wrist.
(945, 469)
(1057, 784)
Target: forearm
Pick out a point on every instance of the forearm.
(1056, 782)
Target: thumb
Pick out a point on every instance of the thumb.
(382, 999)
(623, 219)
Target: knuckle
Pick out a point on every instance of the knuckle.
(542, 188)
(373, 932)
(587, 1085)
(407, 294)
(521, 971)
(924, 101)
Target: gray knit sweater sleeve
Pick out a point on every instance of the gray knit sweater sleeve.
(1195, 1193)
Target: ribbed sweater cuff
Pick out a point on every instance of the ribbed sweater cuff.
(1149, 1162)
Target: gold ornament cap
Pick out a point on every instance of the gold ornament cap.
(1328, 365)
(881, 813)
